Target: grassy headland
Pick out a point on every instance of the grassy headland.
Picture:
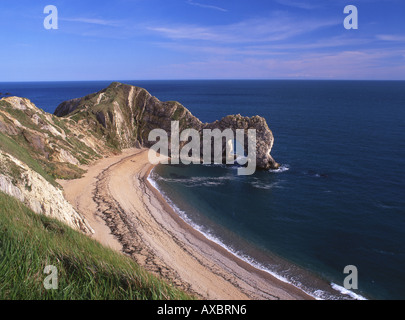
(86, 269)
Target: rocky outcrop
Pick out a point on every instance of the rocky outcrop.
(126, 114)
(67, 107)
(36, 148)
(264, 136)
(35, 192)
(56, 142)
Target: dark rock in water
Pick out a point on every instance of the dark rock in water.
(127, 114)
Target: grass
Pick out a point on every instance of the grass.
(11, 169)
(20, 149)
(60, 124)
(24, 117)
(78, 115)
(64, 170)
(20, 152)
(179, 112)
(86, 269)
(5, 104)
(81, 151)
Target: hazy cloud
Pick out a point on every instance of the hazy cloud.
(341, 65)
(205, 6)
(278, 26)
(299, 4)
(391, 37)
(95, 21)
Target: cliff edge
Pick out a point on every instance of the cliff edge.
(125, 115)
(37, 148)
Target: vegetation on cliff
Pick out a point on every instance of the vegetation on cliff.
(86, 269)
(47, 144)
(37, 148)
(124, 115)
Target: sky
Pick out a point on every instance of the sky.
(201, 39)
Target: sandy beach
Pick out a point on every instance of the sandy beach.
(130, 215)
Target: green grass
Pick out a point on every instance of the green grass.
(60, 124)
(78, 115)
(20, 149)
(11, 169)
(178, 113)
(81, 151)
(24, 117)
(64, 170)
(5, 104)
(86, 269)
(20, 152)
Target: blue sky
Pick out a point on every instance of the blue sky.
(201, 39)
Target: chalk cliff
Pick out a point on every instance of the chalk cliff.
(37, 148)
(127, 114)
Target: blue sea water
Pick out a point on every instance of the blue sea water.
(338, 200)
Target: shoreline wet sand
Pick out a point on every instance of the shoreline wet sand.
(128, 214)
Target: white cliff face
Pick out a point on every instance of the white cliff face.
(7, 186)
(65, 156)
(20, 103)
(39, 195)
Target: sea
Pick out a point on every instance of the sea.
(336, 202)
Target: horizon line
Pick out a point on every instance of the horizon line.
(203, 79)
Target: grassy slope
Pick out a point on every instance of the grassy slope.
(40, 160)
(17, 150)
(29, 242)
(86, 269)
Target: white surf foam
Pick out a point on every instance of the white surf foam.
(198, 181)
(316, 294)
(283, 168)
(344, 291)
(265, 186)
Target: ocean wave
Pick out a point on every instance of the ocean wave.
(261, 185)
(315, 174)
(349, 293)
(313, 292)
(232, 167)
(283, 168)
(192, 182)
(383, 205)
(209, 234)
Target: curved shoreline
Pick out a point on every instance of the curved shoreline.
(265, 275)
(144, 226)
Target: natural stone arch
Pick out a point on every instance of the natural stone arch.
(264, 136)
(127, 115)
